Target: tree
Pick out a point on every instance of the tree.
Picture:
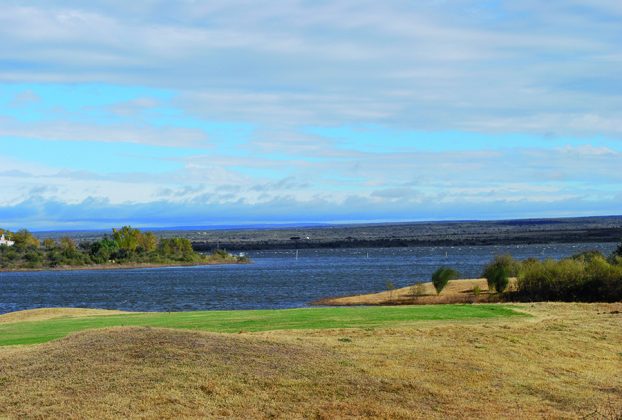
(148, 242)
(102, 251)
(499, 271)
(24, 239)
(127, 238)
(441, 277)
(67, 245)
(49, 244)
(499, 278)
(177, 248)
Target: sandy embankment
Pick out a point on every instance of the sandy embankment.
(457, 291)
(43, 314)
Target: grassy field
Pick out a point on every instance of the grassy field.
(561, 361)
(31, 329)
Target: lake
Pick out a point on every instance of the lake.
(275, 279)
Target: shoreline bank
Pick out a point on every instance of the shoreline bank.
(106, 267)
(456, 291)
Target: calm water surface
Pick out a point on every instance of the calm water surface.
(275, 279)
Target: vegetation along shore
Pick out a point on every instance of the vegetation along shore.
(124, 248)
(584, 277)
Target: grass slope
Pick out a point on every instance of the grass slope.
(40, 331)
(563, 361)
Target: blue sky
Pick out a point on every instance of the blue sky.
(160, 113)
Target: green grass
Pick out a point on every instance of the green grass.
(34, 332)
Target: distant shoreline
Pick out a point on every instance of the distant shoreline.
(103, 267)
(610, 237)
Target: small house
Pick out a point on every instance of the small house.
(6, 242)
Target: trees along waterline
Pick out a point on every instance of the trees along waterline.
(125, 246)
(585, 277)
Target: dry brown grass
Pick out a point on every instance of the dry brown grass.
(51, 313)
(456, 291)
(168, 373)
(565, 361)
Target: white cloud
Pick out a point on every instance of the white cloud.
(508, 67)
(120, 132)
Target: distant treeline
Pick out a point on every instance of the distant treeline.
(124, 246)
(525, 238)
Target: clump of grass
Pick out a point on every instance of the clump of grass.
(441, 277)
(417, 290)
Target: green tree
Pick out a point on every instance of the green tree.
(176, 248)
(148, 242)
(24, 239)
(33, 258)
(104, 250)
(127, 238)
(68, 245)
(441, 277)
(499, 278)
(499, 271)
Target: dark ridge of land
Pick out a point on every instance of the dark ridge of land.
(413, 234)
(468, 233)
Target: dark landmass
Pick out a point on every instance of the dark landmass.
(455, 233)
(511, 232)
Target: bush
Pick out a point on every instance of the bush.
(572, 280)
(417, 290)
(588, 255)
(498, 272)
(441, 277)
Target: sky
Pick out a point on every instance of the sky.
(235, 112)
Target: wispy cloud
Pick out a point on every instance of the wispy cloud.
(392, 58)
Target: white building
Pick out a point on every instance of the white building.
(4, 241)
